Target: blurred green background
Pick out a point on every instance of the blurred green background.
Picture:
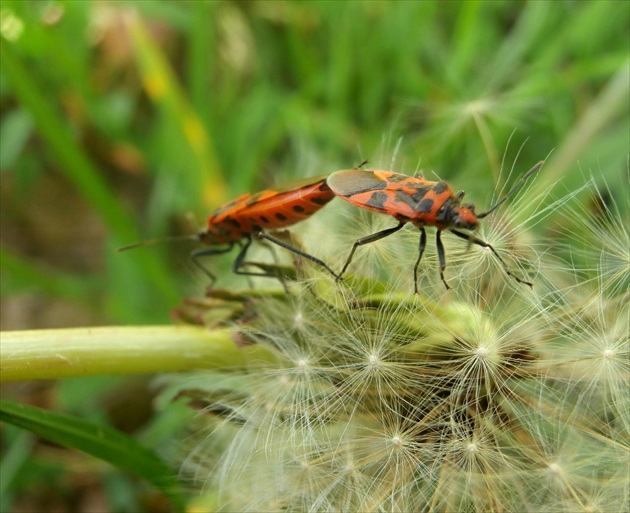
(124, 121)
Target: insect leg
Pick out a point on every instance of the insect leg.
(196, 255)
(272, 252)
(321, 263)
(236, 266)
(366, 240)
(422, 244)
(484, 244)
(239, 262)
(441, 256)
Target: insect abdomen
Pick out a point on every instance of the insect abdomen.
(267, 210)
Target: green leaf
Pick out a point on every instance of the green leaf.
(100, 441)
(203, 171)
(15, 130)
(21, 274)
(78, 167)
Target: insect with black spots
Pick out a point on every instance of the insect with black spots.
(247, 217)
(419, 202)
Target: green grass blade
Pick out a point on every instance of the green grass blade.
(14, 458)
(200, 64)
(23, 274)
(72, 161)
(99, 441)
(79, 169)
(203, 173)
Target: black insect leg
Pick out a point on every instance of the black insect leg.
(441, 256)
(272, 251)
(421, 246)
(321, 263)
(196, 255)
(239, 263)
(366, 240)
(484, 244)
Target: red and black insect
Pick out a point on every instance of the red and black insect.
(419, 202)
(247, 217)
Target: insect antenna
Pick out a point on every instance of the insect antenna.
(179, 238)
(516, 187)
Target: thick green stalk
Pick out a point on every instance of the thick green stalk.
(64, 353)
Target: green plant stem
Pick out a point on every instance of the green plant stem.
(609, 106)
(64, 353)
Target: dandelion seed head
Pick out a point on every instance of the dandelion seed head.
(478, 107)
(555, 469)
(349, 468)
(482, 352)
(373, 360)
(361, 397)
(598, 240)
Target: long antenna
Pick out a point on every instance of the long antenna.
(516, 187)
(193, 238)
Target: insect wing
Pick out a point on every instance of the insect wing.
(354, 181)
(299, 184)
(282, 209)
(249, 201)
(380, 191)
(270, 209)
